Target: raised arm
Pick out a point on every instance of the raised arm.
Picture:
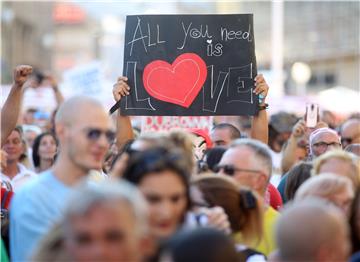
(259, 124)
(289, 157)
(11, 109)
(124, 131)
(54, 85)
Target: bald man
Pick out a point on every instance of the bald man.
(84, 132)
(306, 230)
(350, 132)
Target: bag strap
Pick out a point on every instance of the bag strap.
(3, 200)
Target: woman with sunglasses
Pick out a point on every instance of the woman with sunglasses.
(242, 206)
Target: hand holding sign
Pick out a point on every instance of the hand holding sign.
(261, 88)
(191, 65)
(120, 88)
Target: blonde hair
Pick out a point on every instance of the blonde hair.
(155, 139)
(324, 186)
(183, 140)
(243, 206)
(349, 158)
(174, 140)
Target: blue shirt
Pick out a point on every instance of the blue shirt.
(34, 210)
(281, 187)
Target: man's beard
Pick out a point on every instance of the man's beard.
(73, 154)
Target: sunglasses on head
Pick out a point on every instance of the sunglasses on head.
(94, 134)
(231, 169)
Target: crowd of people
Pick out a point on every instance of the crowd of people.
(85, 186)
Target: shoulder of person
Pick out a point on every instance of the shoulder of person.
(4, 177)
(26, 171)
(33, 188)
(249, 254)
(271, 213)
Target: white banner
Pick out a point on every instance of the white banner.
(164, 123)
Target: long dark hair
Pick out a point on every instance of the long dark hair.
(36, 145)
(297, 175)
(156, 160)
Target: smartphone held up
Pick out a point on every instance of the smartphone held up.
(312, 115)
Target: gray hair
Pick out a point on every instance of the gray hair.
(261, 151)
(325, 186)
(90, 194)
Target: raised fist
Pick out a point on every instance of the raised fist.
(299, 129)
(21, 74)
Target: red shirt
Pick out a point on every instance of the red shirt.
(6, 202)
(275, 197)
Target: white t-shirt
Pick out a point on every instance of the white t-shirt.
(20, 179)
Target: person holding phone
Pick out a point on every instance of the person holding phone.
(321, 140)
(296, 148)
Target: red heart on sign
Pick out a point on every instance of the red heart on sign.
(178, 83)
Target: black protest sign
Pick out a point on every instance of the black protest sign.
(187, 65)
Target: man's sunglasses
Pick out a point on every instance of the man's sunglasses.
(93, 134)
(231, 169)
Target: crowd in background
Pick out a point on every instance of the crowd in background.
(81, 185)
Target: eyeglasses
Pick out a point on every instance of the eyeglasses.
(231, 169)
(93, 134)
(323, 145)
